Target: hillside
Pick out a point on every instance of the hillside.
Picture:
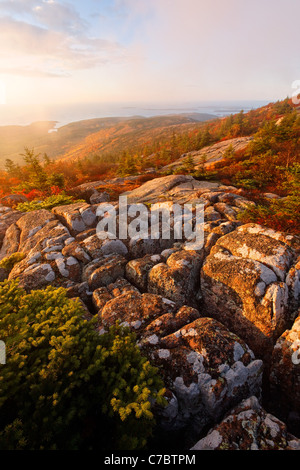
(220, 323)
(212, 153)
(217, 315)
(132, 134)
(83, 138)
(257, 151)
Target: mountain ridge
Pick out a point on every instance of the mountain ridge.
(65, 139)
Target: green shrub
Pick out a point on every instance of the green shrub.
(68, 386)
(9, 262)
(278, 214)
(48, 203)
(12, 437)
(247, 183)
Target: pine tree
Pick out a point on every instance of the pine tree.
(127, 165)
(206, 138)
(229, 153)
(189, 164)
(38, 176)
(12, 169)
(47, 160)
(203, 161)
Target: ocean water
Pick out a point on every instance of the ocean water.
(64, 114)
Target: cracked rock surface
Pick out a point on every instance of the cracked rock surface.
(220, 322)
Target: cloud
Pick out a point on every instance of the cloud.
(26, 71)
(16, 6)
(59, 16)
(227, 49)
(173, 49)
(49, 52)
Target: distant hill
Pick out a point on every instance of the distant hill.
(83, 138)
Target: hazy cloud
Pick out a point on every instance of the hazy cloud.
(27, 71)
(16, 6)
(59, 16)
(54, 43)
(167, 49)
(227, 48)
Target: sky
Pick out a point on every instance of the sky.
(84, 51)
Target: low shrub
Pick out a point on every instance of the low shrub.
(278, 214)
(48, 203)
(64, 386)
(9, 262)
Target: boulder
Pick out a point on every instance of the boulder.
(224, 228)
(211, 196)
(47, 237)
(75, 250)
(13, 200)
(37, 229)
(8, 217)
(139, 247)
(243, 285)
(76, 217)
(249, 427)
(32, 222)
(137, 270)
(97, 198)
(103, 294)
(293, 283)
(11, 241)
(208, 369)
(81, 290)
(135, 310)
(104, 271)
(285, 375)
(177, 188)
(156, 189)
(92, 245)
(86, 234)
(36, 276)
(227, 211)
(69, 268)
(97, 247)
(178, 278)
(210, 214)
(86, 190)
(168, 323)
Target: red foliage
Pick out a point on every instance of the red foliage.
(34, 194)
(55, 190)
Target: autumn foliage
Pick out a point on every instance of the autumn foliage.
(270, 163)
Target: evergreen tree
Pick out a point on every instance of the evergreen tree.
(127, 165)
(189, 164)
(38, 176)
(203, 161)
(12, 169)
(229, 153)
(206, 138)
(47, 160)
